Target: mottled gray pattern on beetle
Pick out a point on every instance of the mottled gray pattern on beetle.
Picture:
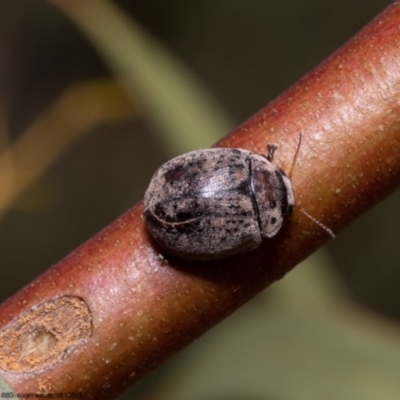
(213, 203)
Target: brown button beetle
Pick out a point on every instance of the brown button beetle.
(213, 203)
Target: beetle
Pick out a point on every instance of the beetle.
(213, 203)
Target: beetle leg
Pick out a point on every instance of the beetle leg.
(271, 150)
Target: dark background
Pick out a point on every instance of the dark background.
(245, 52)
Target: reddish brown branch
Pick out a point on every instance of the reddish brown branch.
(143, 308)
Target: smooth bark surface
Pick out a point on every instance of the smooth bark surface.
(142, 307)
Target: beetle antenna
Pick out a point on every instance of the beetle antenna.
(324, 227)
(289, 174)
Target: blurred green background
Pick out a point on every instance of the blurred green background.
(85, 151)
